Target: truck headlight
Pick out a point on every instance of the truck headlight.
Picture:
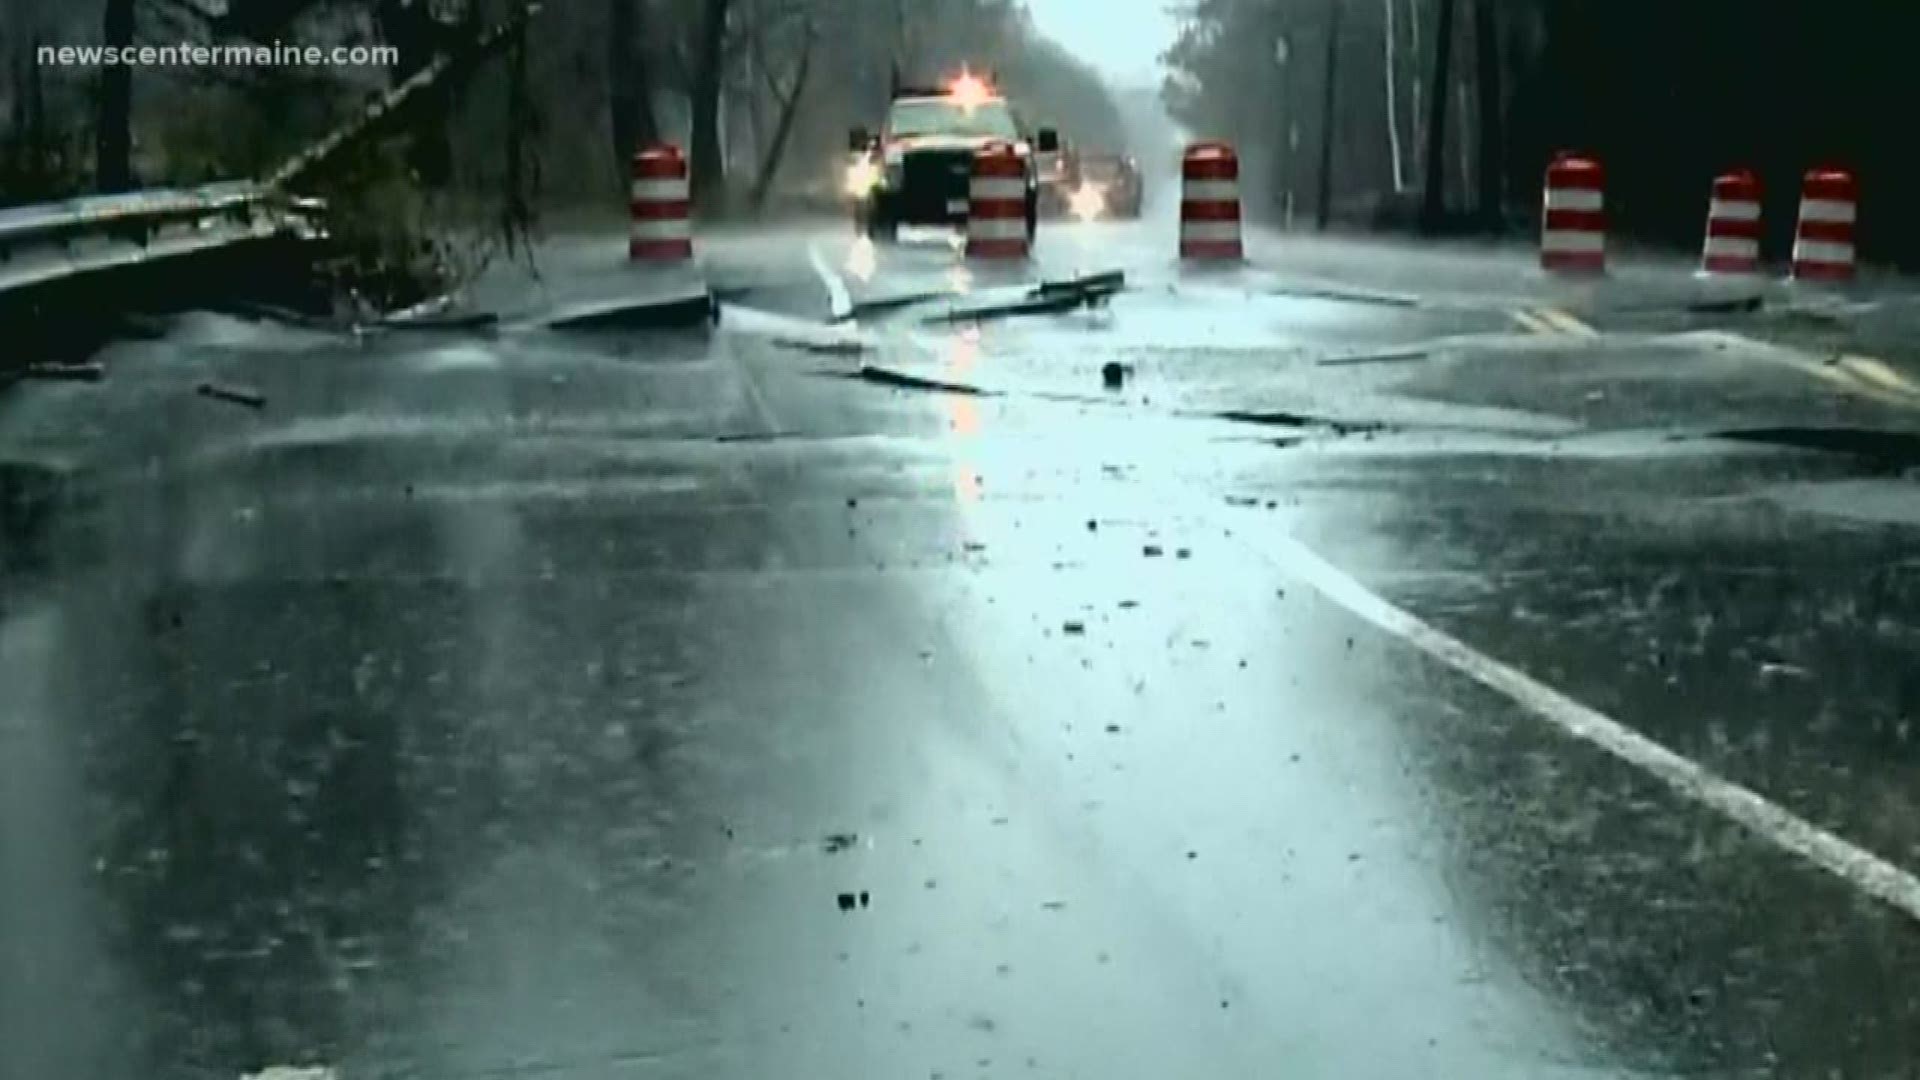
(1088, 201)
(861, 177)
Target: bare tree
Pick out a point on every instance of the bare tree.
(788, 100)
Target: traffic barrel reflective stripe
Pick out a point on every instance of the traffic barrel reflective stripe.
(660, 204)
(1210, 202)
(1573, 233)
(1734, 225)
(1823, 248)
(997, 204)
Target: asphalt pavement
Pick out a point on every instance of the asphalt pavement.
(1409, 665)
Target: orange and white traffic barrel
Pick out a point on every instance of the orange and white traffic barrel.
(1573, 234)
(1210, 202)
(661, 206)
(997, 204)
(1823, 245)
(1733, 225)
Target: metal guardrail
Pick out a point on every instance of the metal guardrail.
(44, 243)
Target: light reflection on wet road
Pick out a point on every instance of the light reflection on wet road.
(656, 706)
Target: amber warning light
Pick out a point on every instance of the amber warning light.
(969, 91)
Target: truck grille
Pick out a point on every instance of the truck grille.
(932, 177)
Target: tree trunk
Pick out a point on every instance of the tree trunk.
(518, 188)
(1330, 71)
(1434, 198)
(629, 92)
(1393, 96)
(1464, 141)
(783, 128)
(708, 167)
(1416, 86)
(754, 102)
(113, 138)
(1493, 135)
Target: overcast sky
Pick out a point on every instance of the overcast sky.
(1123, 38)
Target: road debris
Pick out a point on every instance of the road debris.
(841, 347)
(1048, 298)
(236, 395)
(882, 305)
(901, 380)
(672, 314)
(1073, 626)
(1386, 356)
(1284, 418)
(1339, 294)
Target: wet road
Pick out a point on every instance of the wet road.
(685, 704)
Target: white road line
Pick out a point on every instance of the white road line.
(839, 301)
(756, 399)
(1850, 863)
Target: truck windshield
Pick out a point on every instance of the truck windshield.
(940, 116)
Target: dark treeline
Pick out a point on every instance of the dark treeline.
(1667, 92)
(759, 92)
(516, 126)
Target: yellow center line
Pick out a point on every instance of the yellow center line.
(1843, 377)
(1878, 372)
(1846, 379)
(1568, 323)
(1533, 322)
